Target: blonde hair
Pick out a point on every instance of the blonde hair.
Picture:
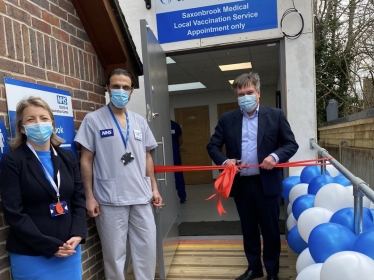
(20, 138)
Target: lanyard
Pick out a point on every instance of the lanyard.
(51, 181)
(124, 140)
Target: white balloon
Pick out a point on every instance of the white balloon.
(289, 208)
(297, 191)
(296, 172)
(334, 197)
(348, 265)
(311, 218)
(365, 201)
(311, 272)
(304, 260)
(332, 170)
(291, 222)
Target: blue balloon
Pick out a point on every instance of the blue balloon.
(369, 212)
(364, 243)
(318, 182)
(295, 241)
(345, 217)
(302, 203)
(329, 238)
(288, 184)
(309, 172)
(342, 180)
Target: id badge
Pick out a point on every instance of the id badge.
(58, 209)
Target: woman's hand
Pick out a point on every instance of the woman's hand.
(68, 248)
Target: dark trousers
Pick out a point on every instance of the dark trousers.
(179, 185)
(258, 210)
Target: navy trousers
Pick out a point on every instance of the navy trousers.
(258, 211)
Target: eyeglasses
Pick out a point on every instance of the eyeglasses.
(126, 88)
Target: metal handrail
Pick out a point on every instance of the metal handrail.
(360, 187)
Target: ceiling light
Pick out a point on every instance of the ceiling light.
(236, 66)
(169, 60)
(186, 86)
(231, 81)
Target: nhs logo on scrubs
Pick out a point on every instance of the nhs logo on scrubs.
(106, 133)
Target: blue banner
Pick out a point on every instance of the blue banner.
(215, 20)
(58, 100)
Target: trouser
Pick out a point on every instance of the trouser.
(180, 185)
(256, 209)
(137, 222)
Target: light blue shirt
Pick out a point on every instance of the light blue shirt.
(249, 143)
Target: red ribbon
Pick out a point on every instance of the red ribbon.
(224, 181)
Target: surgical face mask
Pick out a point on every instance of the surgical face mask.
(39, 133)
(119, 98)
(247, 102)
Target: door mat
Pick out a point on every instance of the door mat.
(216, 228)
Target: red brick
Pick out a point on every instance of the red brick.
(75, 21)
(47, 84)
(3, 106)
(26, 43)
(94, 66)
(66, 6)
(31, 8)
(41, 25)
(86, 86)
(81, 34)
(2, 37)
(79, 116)
(60, 58)
(9, 38)
(71, 61)
(88, 106)
(42, 3)
(47, 46)
(2, 7)
(11, 66)
(18, 40)
(35, 72)
(48, 17)
(58, 12)
(88, 48)
(94, 97)
(77, 104)
(54, 54)
(18, 14)
(33, 47)
(72, 82)
(26, 79)
(55, 77)
(61, 35)
(66, 59)
(80, 94)
(86, 66)
(76, 42)
(100, 91)
(5, 275)
(64, 25)
(41, 54)
(81, 65)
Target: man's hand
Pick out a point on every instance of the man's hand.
(93, 208)
(233, 161)
(268, 163)
(157, 199)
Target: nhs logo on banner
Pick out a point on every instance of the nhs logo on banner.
(179, 20)
(62, 99)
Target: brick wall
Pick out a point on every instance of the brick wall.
(43, 42)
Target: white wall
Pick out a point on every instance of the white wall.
(299, 64)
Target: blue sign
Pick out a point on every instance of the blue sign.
(177, 21)
(58, 100)
(4, 145)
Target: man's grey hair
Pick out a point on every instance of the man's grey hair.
(246, 80)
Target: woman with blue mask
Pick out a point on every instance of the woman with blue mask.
(43, 199)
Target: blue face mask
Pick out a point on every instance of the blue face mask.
(119, 98)
(39, 133)
(247, 102)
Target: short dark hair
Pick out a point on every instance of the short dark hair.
(245, 80)
(120, 71)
